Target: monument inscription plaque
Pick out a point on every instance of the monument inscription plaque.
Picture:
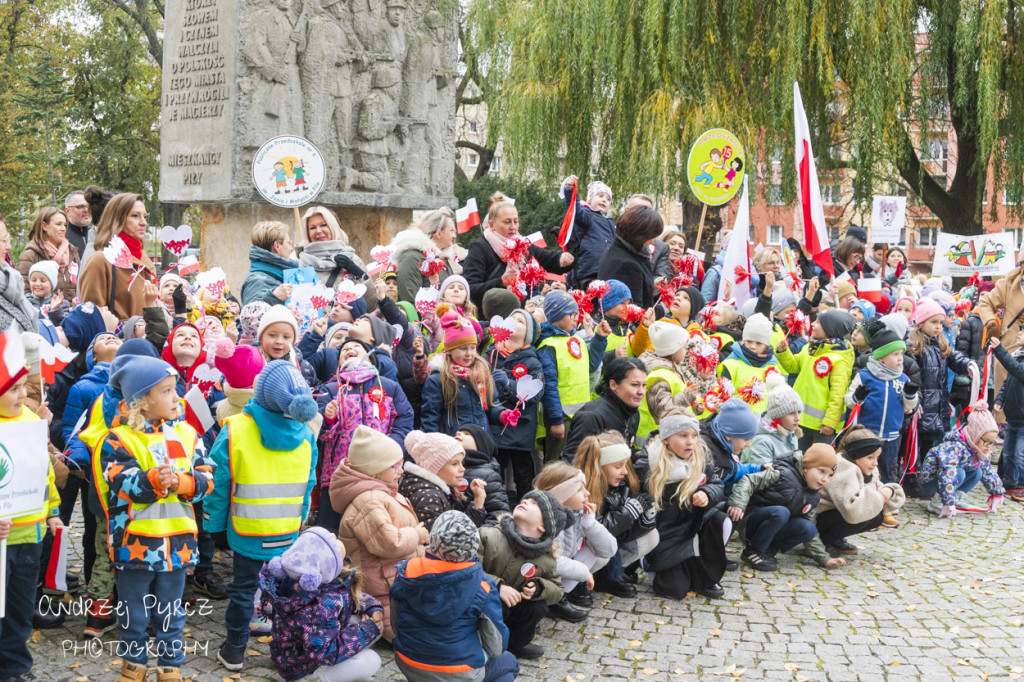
(369, 82)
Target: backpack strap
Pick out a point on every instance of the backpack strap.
(113, 287)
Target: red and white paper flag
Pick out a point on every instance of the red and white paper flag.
(870, 289)
(812, 214)
(537, 239)
(187, 265)
(197, 411)
(467, 216)
(56, 569)
(565, 233)
(175, 448)
(53, 359)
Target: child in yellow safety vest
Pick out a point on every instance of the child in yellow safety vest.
(266, 470)
(682, 302)
(751, 361)
(824, 368)
(155, 466)
(24, 534)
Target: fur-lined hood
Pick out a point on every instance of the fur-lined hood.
(420, 472)
(413, 239)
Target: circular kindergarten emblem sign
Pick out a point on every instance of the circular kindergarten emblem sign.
(716, 166)
(288, 171)
(6, 467)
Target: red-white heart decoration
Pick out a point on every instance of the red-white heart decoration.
(176, 239)
(206, 377)
(502, 328)
(117, 253)
(213, 282)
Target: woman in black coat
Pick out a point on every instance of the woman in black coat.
(629, 258)
(484, 268)
(617, 408)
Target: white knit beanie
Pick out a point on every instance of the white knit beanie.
(277, 313)
(758, 328)
(667, 338)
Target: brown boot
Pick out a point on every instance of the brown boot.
(890, 521)
(168, 674)
(133, 672)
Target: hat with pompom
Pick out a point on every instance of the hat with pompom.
(315, 558)
(281, 388)
(432, 450)
(240, 365)
(782, 398)
(979, 422)
(457, 331)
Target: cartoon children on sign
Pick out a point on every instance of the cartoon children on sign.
(715, 167)
(280, 175)
(288, 171)
(289, 168)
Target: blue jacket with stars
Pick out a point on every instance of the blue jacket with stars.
(129, 482)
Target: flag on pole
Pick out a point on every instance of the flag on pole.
(736, 262)
(811, 211)
(870, 289)
(467, 216)
(197, 411)
(53, 359)
(13, 364)
(56, 569)
(175, 448)
(565, 233)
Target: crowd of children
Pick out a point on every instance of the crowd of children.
(441, 477)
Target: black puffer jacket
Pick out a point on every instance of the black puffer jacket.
(968, 341)
(790, 491)
(935, 409)
(678, 526)
(480, 463)
(631, 267)
(604, 414)
(1011, 393)
(621, 518)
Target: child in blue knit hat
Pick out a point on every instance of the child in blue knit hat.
(267, 469)
(613, 308)
(154, 467)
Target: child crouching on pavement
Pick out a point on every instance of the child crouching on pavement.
(155, 467)
(446, 611)
(521, 557)
(24, 534)
(856, 499)
(779, 504)
(314, 593)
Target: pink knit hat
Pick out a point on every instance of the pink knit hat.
(458, 331)
(927, 308)
(432, 450)
(240, 365)
(913, 304)
(979, 422)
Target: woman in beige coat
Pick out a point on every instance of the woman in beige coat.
(1007, 295)
(378, 525)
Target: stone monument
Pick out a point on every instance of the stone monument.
(369, 82)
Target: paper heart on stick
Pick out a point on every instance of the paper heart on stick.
(206, 377)
(117, 253)
(213, 281)
(527, 387)
(176, 239)
(502, 328)
(349, 291)
(426, 300)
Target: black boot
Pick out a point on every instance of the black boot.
(47, 614)
(615, 588)
(580, 596)
(564, 610)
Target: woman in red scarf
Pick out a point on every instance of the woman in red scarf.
(47, 241)
(106, 284)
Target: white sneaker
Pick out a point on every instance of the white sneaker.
(934, 506)
(259, 625)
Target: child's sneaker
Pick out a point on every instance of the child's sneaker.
(231, 656)
(961, 498)
(529, 652)
(1017, 497)
(259, 625)
(890, 521)
(133, 672)
(168, 674)
(842, 548)
(757, 561)
(934, 506)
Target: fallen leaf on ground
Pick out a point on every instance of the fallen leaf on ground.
(715, 632)
(252, 652)
(911, 607)
(792, 667)
(634, 642)
(266, 639)
(37, 637)
(650, 671)
(872, 594)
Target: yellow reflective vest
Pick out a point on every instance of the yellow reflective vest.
(267, 490)
(822, 383)
(676, 384)
(742, 375)
(169, 515)
(29, 528)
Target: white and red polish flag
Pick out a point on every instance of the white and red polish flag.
(811, 211)
(197, 411)
(565, 233)
(467, 216)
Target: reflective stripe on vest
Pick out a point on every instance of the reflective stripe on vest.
(28, 415)
(170, 515)
(814, 389)
(92, 435)
(675, 383)
(573, 372)
(259, 508)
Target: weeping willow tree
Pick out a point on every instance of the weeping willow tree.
(882, 81)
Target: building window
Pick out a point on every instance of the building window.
(1018, 235)
(775, 195)
(830, 194)
(594, 170)
(903, 236)
(595, 141)
(775, 234)
(927, 236)
(474, 160)
(1010, 198)
(473, 126)
(984, 194)
(495, 164)
(935, 150)
(833, 233)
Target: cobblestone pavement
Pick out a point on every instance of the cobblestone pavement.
(932, 599)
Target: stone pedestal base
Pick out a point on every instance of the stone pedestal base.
(226, 228)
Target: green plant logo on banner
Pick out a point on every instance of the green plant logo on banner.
(6, 467)
(716, 167)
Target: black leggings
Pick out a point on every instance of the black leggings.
(522, 468)
(697, 572)
(832, 527)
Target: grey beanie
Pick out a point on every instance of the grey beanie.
(782, 298)
(453, 537)
(782, 399)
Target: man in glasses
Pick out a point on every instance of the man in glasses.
(79, 219)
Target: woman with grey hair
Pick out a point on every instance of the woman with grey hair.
(435, 230)
(324, 247)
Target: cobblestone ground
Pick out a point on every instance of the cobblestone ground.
(933, 600)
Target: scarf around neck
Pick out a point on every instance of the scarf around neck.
(883, 371)
(531, 548)
(497, 242)
(133, 244)
(61, 254)
(680, 470)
